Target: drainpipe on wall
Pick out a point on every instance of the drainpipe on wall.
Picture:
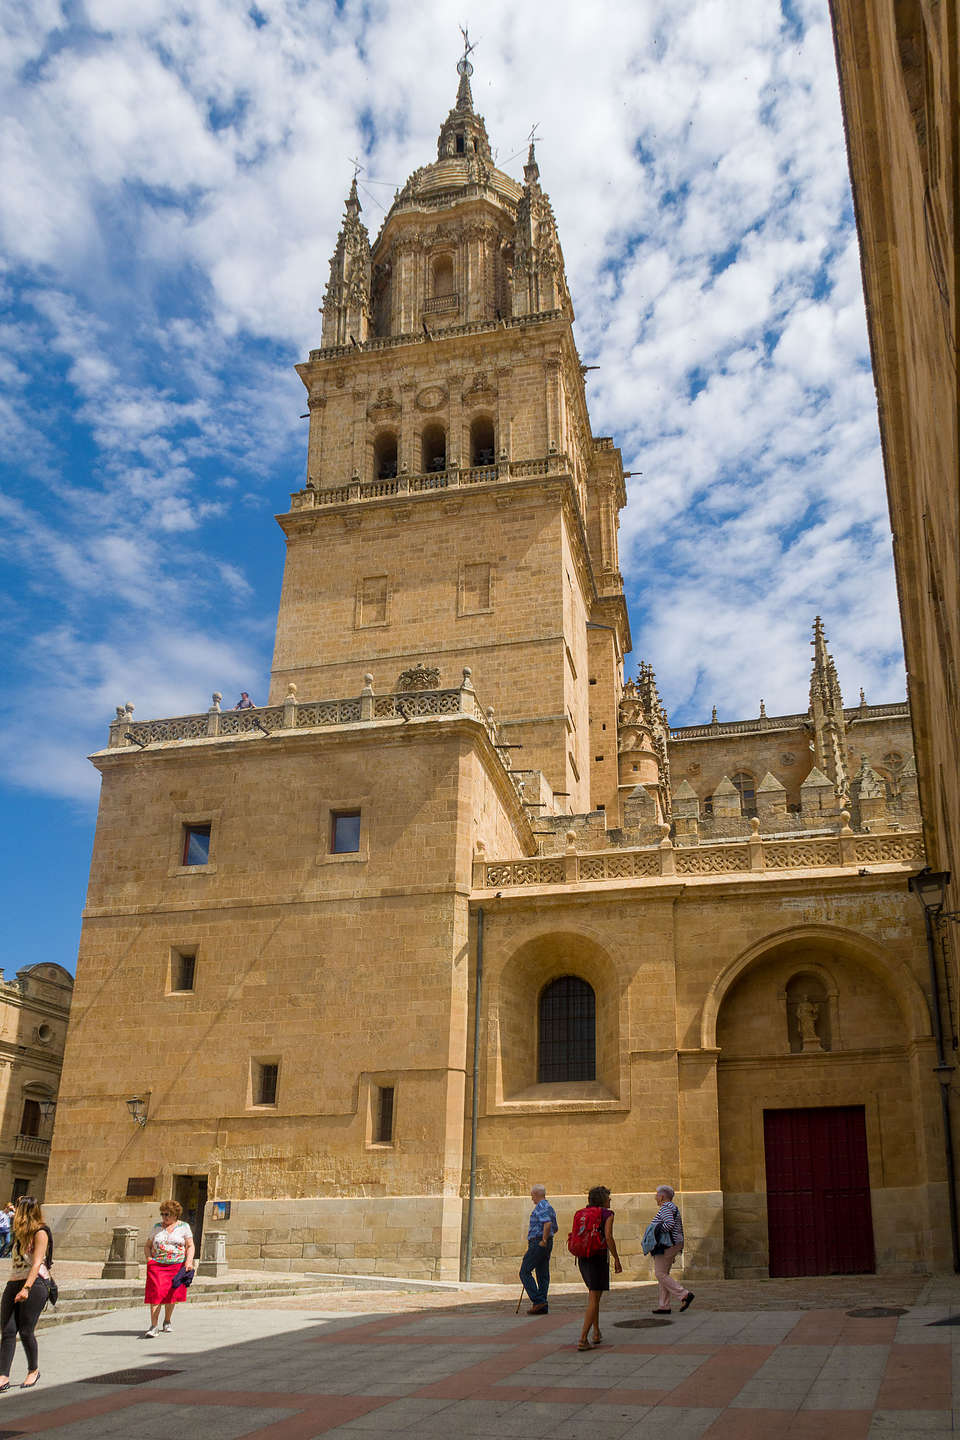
(468, 1246)
(943, 1072)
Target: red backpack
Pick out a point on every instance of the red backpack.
(587, 1237)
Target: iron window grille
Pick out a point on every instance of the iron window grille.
(568, 1031)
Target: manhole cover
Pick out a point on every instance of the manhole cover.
(877, 1312)
(950, 1320)
(644, 1324)
(129, 1377)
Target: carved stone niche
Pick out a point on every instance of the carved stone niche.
(421, 677)
(809, 1002)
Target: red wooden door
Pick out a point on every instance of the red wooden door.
(818, 1191)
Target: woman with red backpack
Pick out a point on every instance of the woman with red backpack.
(591, 1242)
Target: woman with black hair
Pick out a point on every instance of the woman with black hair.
(26, 1291)
(595, 1269)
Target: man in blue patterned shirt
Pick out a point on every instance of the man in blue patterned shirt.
(535, 1269)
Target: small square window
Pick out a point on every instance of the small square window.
(383, 1130)
(183, 968)
(345, 832)
(196, 845)
(265, 1084)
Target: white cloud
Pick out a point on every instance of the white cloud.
(174, 181)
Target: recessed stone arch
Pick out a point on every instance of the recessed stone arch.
(833, 939)
(513, 1017)
(855, 1067)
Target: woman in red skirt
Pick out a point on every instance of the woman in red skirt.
(169, 1247)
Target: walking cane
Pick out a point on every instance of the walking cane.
(520, 1301)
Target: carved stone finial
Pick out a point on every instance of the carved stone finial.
(467, 680)
(713, 716)
(367, 684)
(216, 697)
(128, 709)
(754, 827)
(763, 711)
(292, 690)
(121, 713)
(571, 841)
(845, 823)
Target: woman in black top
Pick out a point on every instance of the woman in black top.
(26, 1291)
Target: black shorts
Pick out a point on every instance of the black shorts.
(595, 1270)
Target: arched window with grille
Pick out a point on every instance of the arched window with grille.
(567, 1031)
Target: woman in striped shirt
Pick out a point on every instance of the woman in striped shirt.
(668, 1216)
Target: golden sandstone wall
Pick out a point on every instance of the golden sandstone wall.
(358, 973)
(899, 85)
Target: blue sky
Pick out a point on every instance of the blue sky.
(174, 181)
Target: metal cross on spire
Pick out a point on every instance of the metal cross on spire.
(357, 167)
(463, 64)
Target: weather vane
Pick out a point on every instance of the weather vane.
(357, 167)
(533, 132)
(463, 64)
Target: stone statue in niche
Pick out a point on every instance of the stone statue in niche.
(807, 1013)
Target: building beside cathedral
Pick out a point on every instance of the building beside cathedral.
(462, 828)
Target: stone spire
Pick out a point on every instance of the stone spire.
(346, 300)
(463, 133)
(539, 278)
(826, 716)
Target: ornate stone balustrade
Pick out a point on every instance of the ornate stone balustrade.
(784, 722)
(664, 861)
(438, 304)
(416, 337)
(33, 1145)
(297, 715)
(401, 485)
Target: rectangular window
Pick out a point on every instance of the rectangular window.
(141, 1186)
(476, 589)
(265, 1084)
(345, 832)
(21, 1186)
(30, 1119)
(372, 600)
(183, 967)
(196, 845)
(383, 1130)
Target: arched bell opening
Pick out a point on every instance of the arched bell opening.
(385, 455)
(433, 448)
(482, 441)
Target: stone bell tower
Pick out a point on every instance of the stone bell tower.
(457, 508)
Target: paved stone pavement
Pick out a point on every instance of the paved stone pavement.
(477, 1371)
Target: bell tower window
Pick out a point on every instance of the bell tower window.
(461, 145)
(443, 275)
(385, 456)
(481, 441)
(434, 448)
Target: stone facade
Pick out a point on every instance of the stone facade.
(34, 1009)
(457, 828)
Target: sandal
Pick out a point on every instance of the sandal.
(597, 1339)
(583, 1345)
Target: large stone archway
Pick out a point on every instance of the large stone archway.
(818, 1019)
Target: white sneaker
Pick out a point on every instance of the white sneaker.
(150, 1334)
(166, 1327)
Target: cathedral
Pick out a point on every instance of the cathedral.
(458, 910)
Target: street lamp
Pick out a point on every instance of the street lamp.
(47, 1107)
(930, 888)
(138, 1110)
